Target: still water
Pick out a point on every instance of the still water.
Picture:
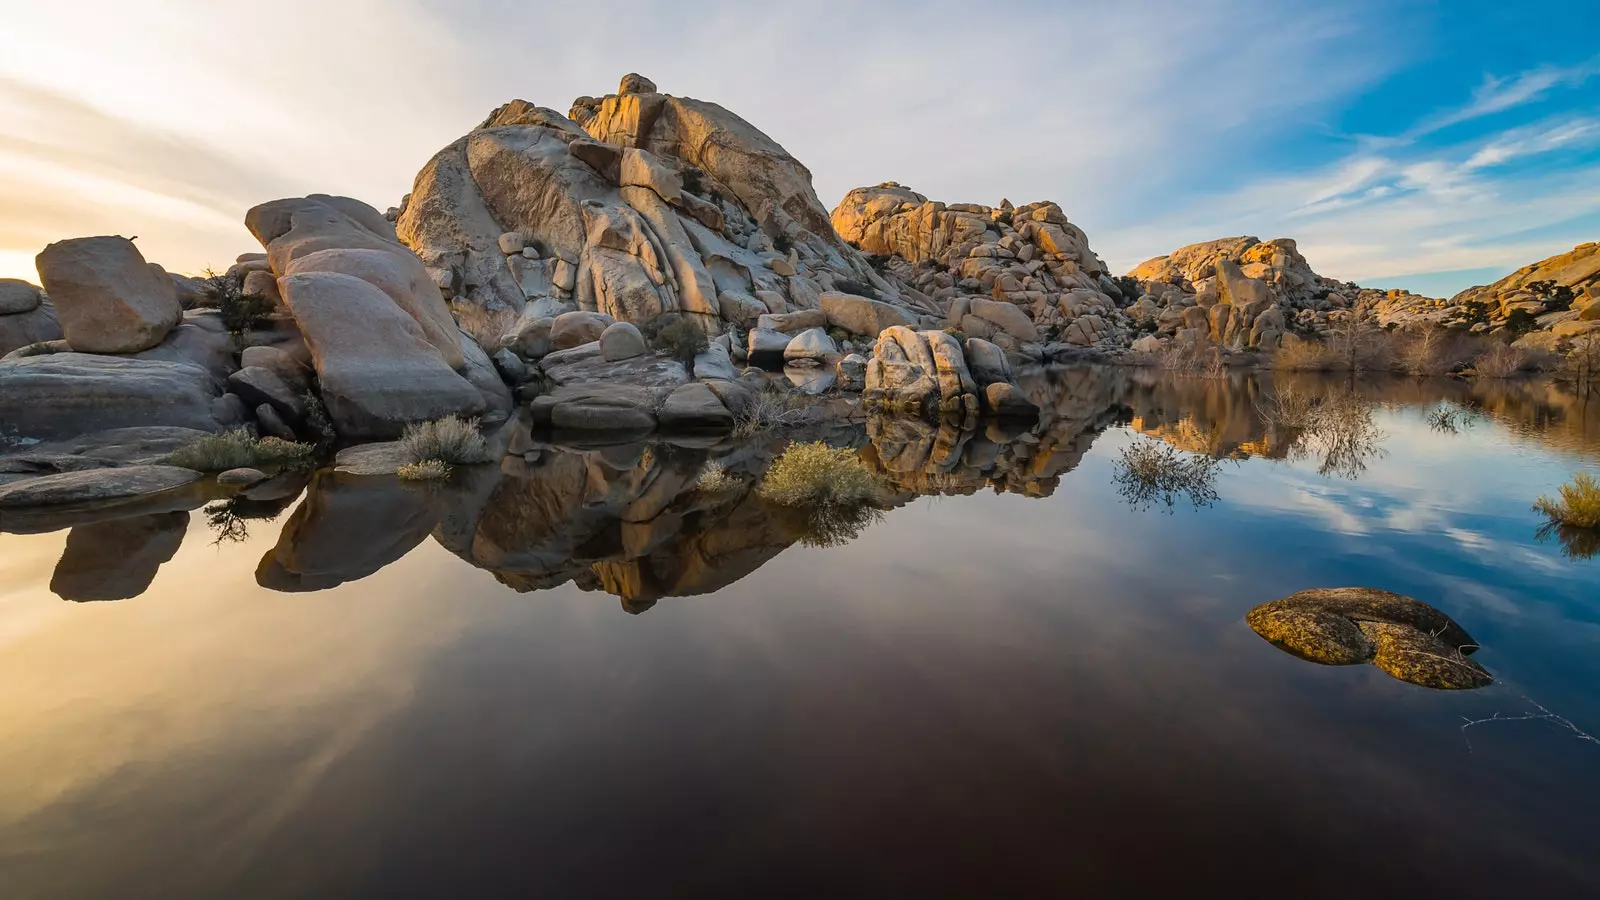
(576, 675)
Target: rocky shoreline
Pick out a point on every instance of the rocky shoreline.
(643, 263)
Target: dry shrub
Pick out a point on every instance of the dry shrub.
(1577, 504)
(1499, 361)
(714, 479)
(1151, 471)
(236, 449)
(491, 328)
(1302, 355)
(427, 470)
(451, 439)
(814, 474)
(771, 408)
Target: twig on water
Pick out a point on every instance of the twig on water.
(1544, 715)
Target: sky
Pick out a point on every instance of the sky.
(1427, 145)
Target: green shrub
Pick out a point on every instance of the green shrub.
(693, 180)
(451, 439)
(1577, 504)
(676, 335)
(240, 311)
(236, 449)
(814, 474)
(427, 470)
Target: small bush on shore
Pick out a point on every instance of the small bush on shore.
(236, 449)
(451, 440)
(676, 335)
(1499, 361)
(771, 408)
(1577, 503)
(240, 311)
(427, 470)
(815, 474)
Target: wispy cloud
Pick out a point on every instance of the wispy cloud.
(1499, 94)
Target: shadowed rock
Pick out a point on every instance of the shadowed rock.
(1347, 626)
(347, 529)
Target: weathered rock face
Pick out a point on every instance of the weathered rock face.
(646, 204)
(108, 298)
(375, 367)
(69, 394)
(321, 233)
(1030, 257)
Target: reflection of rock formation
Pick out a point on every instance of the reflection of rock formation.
(1347, 626)
(117, 560)
(347, 528)
(1075, 406)
(627, 520)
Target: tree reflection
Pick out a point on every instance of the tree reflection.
(1335, 429)
(1150, 472)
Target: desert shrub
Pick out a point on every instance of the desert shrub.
(1129, 286)
(834, 525)
(317, 421)
(1336, 429)
(814, 474)
(426, 470)
(451, 439)
(236, 449)
(1576, 505)
(714, 479)
(491, 328)
(1581, 365)
(240, 312)
(859, 288)
(782, 243)
(693, 180)
(676, 335)
(1302, 356)
(1556, 297)
(1499, 361)
(770, 409)
(1151, 471)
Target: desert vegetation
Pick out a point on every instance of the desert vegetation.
(240, 311)
(237, 449)
(677, 336)
(426, 470)
(449, 441)
(771, 408)
(814, 474)
(1154, 472)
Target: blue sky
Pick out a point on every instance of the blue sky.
(1429, 145)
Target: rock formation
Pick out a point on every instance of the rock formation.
(1018, 276)
(1348, 626)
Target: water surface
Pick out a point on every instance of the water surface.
(573, 675)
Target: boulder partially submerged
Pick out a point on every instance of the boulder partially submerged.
(1406, 638)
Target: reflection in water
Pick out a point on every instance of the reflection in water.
(117, 560)
(1334, 427)
(1348, 626)
(644, 521)
(1150, 471)
(1070, 673)
(1577, 543)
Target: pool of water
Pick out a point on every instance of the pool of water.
(577, 675)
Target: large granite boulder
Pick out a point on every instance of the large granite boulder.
(68, 394)
(376, 369)
(18, 296)
(108, 298)
(861, 315)
(399, 274)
